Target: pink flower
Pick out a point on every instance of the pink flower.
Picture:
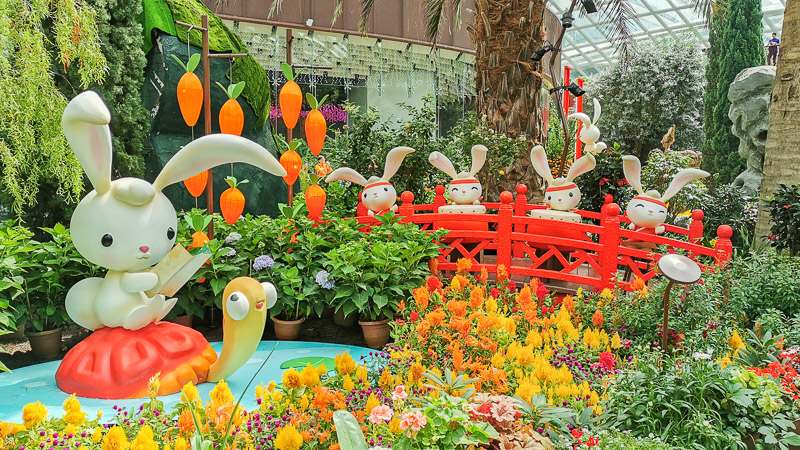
(399, 393)
(413, 420)
(381, 414)
(504, 409)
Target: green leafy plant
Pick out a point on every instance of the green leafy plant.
(784, 211)
(348, 431)
(458, 385)
(760, 350)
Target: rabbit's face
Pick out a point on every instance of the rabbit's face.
(590, 134)
(563, 198)
(465, 192)
(379, 197)
(646, 212)
(129, 228)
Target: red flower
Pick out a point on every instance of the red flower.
(541, 291)
(512, 286)
(607, 360)
(494, 293)
(787, 206)
(434, 283)
(577, 433)
(604, 181)
(544, 309)
(414, 316)
(592, 442)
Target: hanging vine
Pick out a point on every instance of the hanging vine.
(33, 151)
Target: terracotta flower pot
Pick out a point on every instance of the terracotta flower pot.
(327, 313)
(376, 333)
(287, 330)
(342, 321)
(45, 344)
(19, 333)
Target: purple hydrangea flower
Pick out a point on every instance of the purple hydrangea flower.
(263, 262)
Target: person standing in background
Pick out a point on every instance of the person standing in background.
(772, 50)
(322, 168)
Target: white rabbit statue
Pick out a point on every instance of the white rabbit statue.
(465, 189)
(128, 225)
(378, 196)
(562, 194)
(648, 210)
(589, 132)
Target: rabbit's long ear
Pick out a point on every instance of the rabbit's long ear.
(211, 151)
(478, 158)
(632, 169)
(540, 164)
(442, 163)
(346, 174)
(581, 166)
(682, 178)
(85, 123)
(582, 117)
(597, 110)
(393, 161)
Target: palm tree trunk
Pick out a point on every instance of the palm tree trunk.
(781, 160)
(508, 83)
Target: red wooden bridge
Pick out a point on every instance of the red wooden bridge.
(583, 254)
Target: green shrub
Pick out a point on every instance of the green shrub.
(784, 211)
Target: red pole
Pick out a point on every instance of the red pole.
(578, 108)
(504, 228)
(567, 70)
(406, 209)
(439, 199)
(609, 244)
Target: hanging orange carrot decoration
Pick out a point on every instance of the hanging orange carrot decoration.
(197, 184)
(291, 162)
(200, 241)
(231, 202)
(190, 91)
(290, 98)
(315, 199)
(231, 116)
(316, 127)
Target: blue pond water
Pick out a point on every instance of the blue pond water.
(32, 383)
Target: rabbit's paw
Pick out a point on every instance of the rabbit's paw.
(660, 229)
(166, 307)
(138, 317)
(138, 281)
(80, 303)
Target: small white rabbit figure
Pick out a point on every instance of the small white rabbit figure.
(589, 132)
(465, 189)
(378, 195)
(562, 194)
(648, 210)
(128, 225)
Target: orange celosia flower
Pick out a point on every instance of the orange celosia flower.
(638, 284)
(569, 303)
(435, 317)
(423, 326)
(524, 298)
(185, 422)
(502, 273)
(476, 298)
(457, 307)
(464, 265)
(597, 319)
(421, 297)
(484, 275)
(433, 265)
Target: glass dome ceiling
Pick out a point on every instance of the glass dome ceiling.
(587, 49)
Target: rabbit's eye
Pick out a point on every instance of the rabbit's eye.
(639, 206)
(365, 195)
(549, 197)
(107, 240)
(170, 233)
(455, 189)
(571, 194)
(475, 188)
(386, 189)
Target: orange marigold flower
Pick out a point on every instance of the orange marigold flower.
(597, 319)
(464, 265)
(502, 273)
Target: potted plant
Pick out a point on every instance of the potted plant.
(292, 307)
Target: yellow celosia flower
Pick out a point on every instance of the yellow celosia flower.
(181, 444)
(498, 360)
(73, 415)
(735, 342)
(394, 426)
(344, 363)
(525, 356)
(322, 370)
(362, 375)
(115, 439)
(309, 376)
(291, 379)
(386, 381)
(616, 342)
(288, 438)
(144, 440)
(491, 305)
(304, 402)
(347, 383)
(33, 413)
(221, 395)
(455, 285)
(189, 393)
(607, 295)
(97, 434)
(534, 339)
(154, 384)
(372, 402)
